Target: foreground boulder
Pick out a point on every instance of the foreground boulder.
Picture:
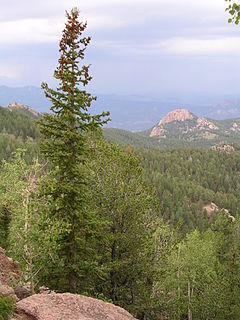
(52, 306)
(67, 306)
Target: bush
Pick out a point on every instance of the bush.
(7, 306)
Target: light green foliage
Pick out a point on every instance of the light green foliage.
(12, 182)
(125, 208)
(234, 10)
(199, 277)
(29, 230)
(6, 308)
(188, 287)
(228, 268)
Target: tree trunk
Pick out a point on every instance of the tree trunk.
(189, 301)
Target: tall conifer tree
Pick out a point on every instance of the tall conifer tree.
(64, 144)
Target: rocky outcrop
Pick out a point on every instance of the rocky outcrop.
(67, 306)
(50, 305)
(7, 291)
(182, 125)
(10, 274)
(235, 127)
(223, 148)
(9, 270)
(203, 123)
(212, 208)
(176, 115)
(18, 106)
(158, 131)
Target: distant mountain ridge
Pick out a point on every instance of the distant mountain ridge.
(134, 112)
(179, 128)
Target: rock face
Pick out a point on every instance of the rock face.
(212, 208)
(182, 125)
(235, 127)
(180, 115)
(223, 148)
(10, 272)
(67, 306)
(176, 115)
(203, 123)
(158, 131)
(18, 106)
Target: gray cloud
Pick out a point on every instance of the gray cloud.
(137, 45)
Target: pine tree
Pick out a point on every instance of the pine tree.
(64, 143)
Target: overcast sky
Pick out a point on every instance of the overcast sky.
(138, 46)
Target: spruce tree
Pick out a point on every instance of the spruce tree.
(64, 145)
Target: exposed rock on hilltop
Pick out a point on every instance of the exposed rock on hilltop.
(68, 306)
(176, 115)
(22, 107)
(235, 127)
(180, 122)
(203, 123)
(158, 131)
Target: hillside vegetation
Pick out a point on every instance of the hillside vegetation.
(17, 130)
(185, 181)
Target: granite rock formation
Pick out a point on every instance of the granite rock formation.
(67, 306)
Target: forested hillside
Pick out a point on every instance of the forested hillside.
(17, 130)
(186, 181)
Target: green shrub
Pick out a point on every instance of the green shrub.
(7, 306)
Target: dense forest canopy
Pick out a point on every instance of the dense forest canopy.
(186, 181)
